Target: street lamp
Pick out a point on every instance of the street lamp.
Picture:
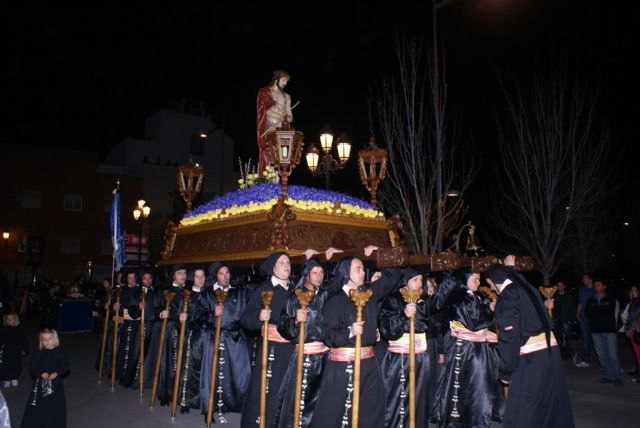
(326, 165)
(284, 150)
(140, 214)
(190, 176)
(372, 164)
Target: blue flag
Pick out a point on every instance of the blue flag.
(117, 238)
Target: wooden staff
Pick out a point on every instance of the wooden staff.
(168, 298)
(304, 297)
(114, 351)
(104, 334)
(141, 357)
(359, 299)
(186, 296)
(222, 297)
(412, 296)
(266, 302)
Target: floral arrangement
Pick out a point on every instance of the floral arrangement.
(249, 175)
(262, 197)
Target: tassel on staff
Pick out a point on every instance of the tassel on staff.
(168, 297)
(186, 296)
(304, 298)
(359, 299)
(221, 297)
(104, 334)
(114, 351)
(266, 303)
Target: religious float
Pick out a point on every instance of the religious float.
(245, 226)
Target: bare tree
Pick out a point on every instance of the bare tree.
(592, 234)
(553, 165)
(422, 167)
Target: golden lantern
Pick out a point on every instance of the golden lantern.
(190, 176)
(372, 164)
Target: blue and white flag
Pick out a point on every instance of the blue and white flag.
(117, 238)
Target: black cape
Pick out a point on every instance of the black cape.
(312, 364)
(339, 315)
(471, 367)
(47, 407)
(279, 354)
(393, 323)
(233, 367)
(538, 393)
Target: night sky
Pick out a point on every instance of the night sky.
(87, 77)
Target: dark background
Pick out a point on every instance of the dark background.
(87, 77)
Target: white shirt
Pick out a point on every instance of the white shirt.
(275, 282)
(217, 286)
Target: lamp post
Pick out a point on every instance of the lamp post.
(372, 164)
(284, 149)
(327, 165)
(140, 214)
(190, 176)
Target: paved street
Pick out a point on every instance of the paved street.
(90, 404)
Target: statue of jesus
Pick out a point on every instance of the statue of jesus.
(273, 111)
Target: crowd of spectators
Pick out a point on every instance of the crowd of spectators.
(594, 316)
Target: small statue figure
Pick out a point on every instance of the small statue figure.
(273, 111)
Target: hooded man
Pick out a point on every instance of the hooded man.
(174, 316)
(277, 269)
(333, 408)
(393, 322)
(315, 351)
(233, 367)
(529, 356)
(129, 312)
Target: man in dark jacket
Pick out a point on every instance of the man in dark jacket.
(600, 310)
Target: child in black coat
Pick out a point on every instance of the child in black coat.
(13, 346)
(47, 406)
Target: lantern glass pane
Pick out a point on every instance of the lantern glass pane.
(312, 160)
(344, 150)
(326, 141)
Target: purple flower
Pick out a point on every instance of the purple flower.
(266, 192)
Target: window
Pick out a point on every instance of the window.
(30, 199)
(105, 247)
(197, 145)
(23, 244)
(69, 245)
(72, 202)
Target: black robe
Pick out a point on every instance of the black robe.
(149, 321)
(13, 343)
(339, 315)
(279, 354)
(126, 366)
(393, 324)
(538, 395)
(108, 350)
(233, 367)
(471, 365)
(189, 397)
(438, 331)
(169, 353)
(313, 364)
(47, 411)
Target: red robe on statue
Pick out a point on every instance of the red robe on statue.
(264, 102)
